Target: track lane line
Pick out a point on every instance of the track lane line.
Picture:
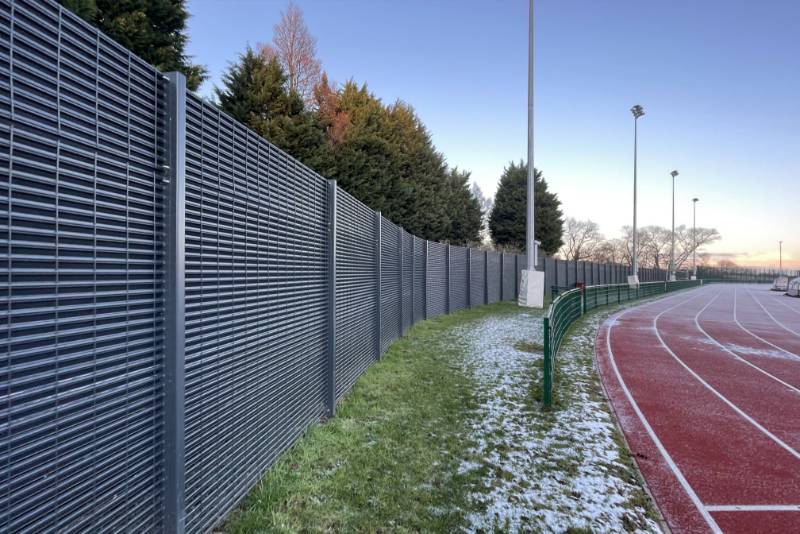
(777, 322)
(706, 515)
(753, 507)
(726, 349)
(722, 397)
(736, 320)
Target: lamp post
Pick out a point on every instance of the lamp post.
(694, 237)
(530, 241)
(672, 253)
(637, 112)
(780, 257)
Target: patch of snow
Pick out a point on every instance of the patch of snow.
(543, 471)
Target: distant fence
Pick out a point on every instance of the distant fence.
(756, 276)
(565, 274)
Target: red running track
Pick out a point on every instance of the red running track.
(706, 387)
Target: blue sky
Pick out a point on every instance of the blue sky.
(719, 81)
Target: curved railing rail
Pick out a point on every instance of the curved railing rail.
(570, 305)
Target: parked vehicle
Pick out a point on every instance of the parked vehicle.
(794, 288)
(781, 283)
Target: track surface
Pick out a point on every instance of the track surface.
(706, 386)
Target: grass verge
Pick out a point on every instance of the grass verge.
(389, 460)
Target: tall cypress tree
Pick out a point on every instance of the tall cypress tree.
(154, 30)
(464, 210)
(254, 92)
(509, 216)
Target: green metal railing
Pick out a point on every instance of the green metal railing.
(570, 305)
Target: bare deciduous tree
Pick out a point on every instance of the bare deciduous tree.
(296, 50)
(581, 238)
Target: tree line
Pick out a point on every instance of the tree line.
(583, 241)
(380, 153)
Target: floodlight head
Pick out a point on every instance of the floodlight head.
(695, 199)
(674, 173)
(637, 111)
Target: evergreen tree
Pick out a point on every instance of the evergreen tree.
(154, 30)
(254, 92)
(509, 215)
(464, 210)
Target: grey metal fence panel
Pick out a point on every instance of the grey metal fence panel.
(509, 277)
(436, 282)
(356, 287)
(477, 283)
(494, 275)
(571, 273)
(458, 278)
(256, 308)
(390, 283)
(419, 279)
(562, 268)
(408, 280)
(80, 200)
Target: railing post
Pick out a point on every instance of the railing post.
(486, 276)
(378, 334)
(330, 397)
(400, 270)
(447, 277)
(516, 275)
(547, 364)
(502, 275)
(413, 272)
(425, 307)
(175, 302)
(469, 277)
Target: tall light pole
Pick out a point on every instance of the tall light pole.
(672, 253)
(780, 257)
(694, 237)
(531, 288)
(637, 111)
(530, 241)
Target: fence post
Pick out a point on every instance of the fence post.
(174, 323)
(400, 271)
(502, 276)
(413, 273)
(547, 364)
(516, 275)
(447, 277)
(425, 307)
(378, 333)
(469, 277)
(486, 277)
(330, 397)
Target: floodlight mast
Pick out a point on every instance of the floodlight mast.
(637, 112)
(672, 253)
(694, 235)
(530, 241)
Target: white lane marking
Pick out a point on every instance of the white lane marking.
(726, 349)
(660, 446)
(777, 322)
(780, 301)
(753, 507)
(736, 320)
(722, 397)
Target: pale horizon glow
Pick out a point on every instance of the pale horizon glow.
(718, 81)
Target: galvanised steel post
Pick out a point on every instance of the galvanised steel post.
(400, 271)
(486, 277)
(637, 111)
(694, 235)
(174, 320)
(672, 253)
(425, 285)
(469, 277)
(530, 242)
(330, 397)
(447, 277)
(378, 285)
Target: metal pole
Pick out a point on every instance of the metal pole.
(530, 246)
(378, 275)
(780, 257)
(635, 155)
(175, 302)
(331, 386)
(694, 235)
(672, 251)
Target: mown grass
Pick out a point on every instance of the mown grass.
(388, 461)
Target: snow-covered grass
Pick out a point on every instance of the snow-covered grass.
(563, 470)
